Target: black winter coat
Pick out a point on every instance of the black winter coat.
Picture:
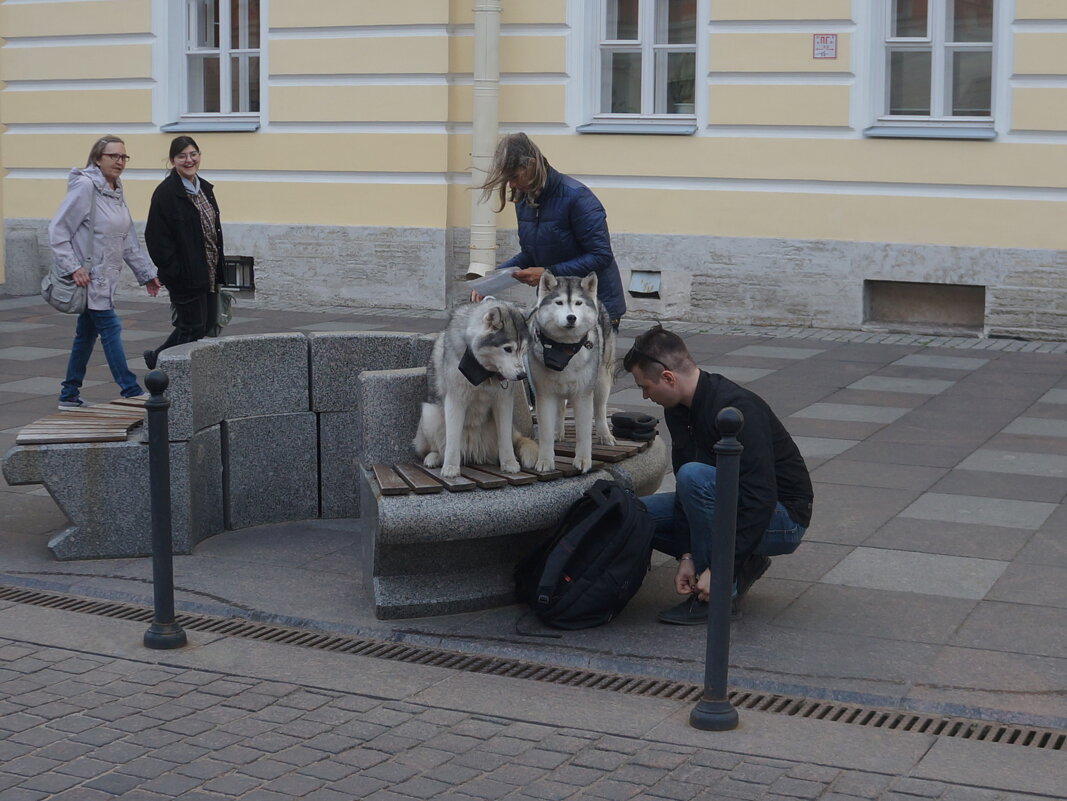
(772, 469)
(175, 238)
(567, 234)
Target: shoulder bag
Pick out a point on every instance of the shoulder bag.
(224, 302)
(59, 290)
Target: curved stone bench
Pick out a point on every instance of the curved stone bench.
(263, 429)
(455, 552)
(277, 427)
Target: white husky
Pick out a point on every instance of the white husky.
(475, 369)
(572, 351)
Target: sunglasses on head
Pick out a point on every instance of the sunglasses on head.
(635, 353)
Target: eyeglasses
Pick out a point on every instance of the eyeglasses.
(635, 353)
(117, 157)
(193, 156)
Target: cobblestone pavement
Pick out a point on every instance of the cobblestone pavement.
(86, 713)
(87, 727)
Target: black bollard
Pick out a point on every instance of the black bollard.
(714, 712)
(164, 632)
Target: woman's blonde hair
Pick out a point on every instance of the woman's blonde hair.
(97, 150)
(514, 152)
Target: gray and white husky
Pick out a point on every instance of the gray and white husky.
(475, 370)
(571, 353)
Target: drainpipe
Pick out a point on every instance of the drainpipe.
(484, 131)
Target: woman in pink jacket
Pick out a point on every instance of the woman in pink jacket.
(93, 221)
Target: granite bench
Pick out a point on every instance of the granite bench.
(263, 429)
(280, 427)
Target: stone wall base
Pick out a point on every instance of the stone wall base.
(719, 280)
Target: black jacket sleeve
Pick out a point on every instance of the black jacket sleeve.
(159, 238)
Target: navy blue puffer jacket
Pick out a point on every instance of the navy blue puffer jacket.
(567, 233)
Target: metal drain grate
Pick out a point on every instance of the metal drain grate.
(872, 717)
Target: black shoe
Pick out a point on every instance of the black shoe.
(150, 359)
(690, 612)
(754, 567)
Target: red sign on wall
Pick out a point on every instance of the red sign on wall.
(824, 45)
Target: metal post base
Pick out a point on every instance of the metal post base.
(163, 636)
(713, 716)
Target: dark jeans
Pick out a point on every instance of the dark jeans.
(93, 323)
(193, 315)
(694, 532)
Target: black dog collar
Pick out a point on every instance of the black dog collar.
(473, 371)
(557, 355)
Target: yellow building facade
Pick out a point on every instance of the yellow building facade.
(832, 163)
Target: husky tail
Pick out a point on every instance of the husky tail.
(525, 449)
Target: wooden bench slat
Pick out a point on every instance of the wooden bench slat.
(388, 481)
(421, 483)
(75, 430)
(563, 449)
(515, 479)
(105, 422)
(638, 445)
(566, 468)
(545, 475)
(111, 406)
(106, 414)
(483, 480)
(83, 423)
(53, 439)
(625, 450)
(458, 484)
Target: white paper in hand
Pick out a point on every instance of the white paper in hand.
(496, 281)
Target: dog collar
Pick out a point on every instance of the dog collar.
(473, 370)
(557, 355)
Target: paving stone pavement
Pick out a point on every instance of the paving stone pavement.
(88, 727)
(934, 578)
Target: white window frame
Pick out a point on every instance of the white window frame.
(647, 121)
(225, 52)
(938, 122)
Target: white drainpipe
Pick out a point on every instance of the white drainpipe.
(484, 132)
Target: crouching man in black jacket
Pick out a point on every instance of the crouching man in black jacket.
(774, 493)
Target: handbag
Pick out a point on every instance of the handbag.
(58, 289)
(224, 311)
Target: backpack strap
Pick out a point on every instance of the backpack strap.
(560, 555)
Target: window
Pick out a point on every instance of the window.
(938, 61)
(222, 51)
(645, 61)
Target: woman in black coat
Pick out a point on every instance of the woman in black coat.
(184, 238)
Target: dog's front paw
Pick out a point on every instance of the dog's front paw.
(544, 465)
(450, 471)
(607, 438)
(583, 463)
(432, 459)
(509, 466)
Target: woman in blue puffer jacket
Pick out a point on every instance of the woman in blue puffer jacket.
(563, 227)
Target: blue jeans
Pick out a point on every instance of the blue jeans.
(105, 324)
(693, 530)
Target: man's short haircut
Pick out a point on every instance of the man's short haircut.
(658, 347)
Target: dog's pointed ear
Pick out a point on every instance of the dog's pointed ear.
(494, 318)
(547, 283)
(589, 284)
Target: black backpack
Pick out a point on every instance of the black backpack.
(593, 564)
